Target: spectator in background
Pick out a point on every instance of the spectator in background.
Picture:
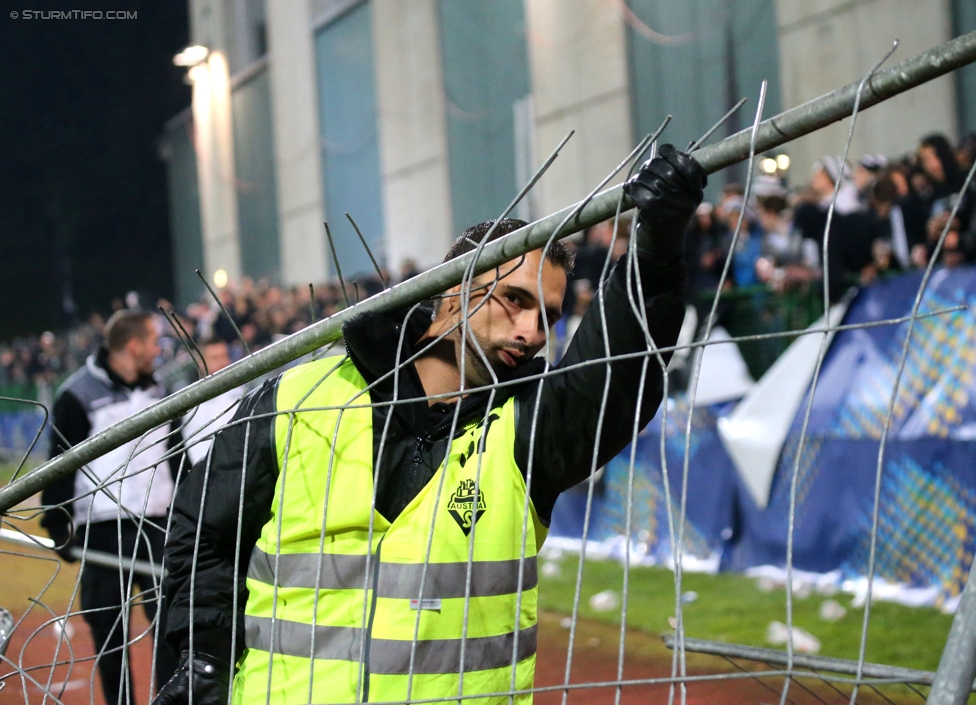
(201, 423)
(222, 326)
(787, 258)
(852, 228)
(119, 504)
(592, 255)
(375, 283)
(620, 244)
(965, 156)
(731, 190)
(748, 246)
(966, 153)
(705, 249)
(583, 295)
(7, 358)
(813, 202)
(959, 247)
(914, 210)
(937, 161)
(851, 251)
(866, 171)
(884, 201)
(408, 269)
(826, 174)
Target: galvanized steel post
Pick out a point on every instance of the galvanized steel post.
(957, 667)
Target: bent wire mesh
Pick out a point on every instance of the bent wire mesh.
(330, 591)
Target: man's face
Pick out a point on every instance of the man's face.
(216, 355)
(145, 350)
(822, 183)
(931, 164)
(509, 326)
(862, 177)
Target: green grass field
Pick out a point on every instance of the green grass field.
(7, 470)
(731, 608)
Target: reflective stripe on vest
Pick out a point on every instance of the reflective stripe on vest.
(398, 580)
(336, 614)
(387, 656)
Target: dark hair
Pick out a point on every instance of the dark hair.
(557, 254)
(125, 325)
(943, 150)
(967, 145)
(209, 339)
(884, 190)
(772, 204)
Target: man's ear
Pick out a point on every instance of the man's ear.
(133, 346)
(452, 300)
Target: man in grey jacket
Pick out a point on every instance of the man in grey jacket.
(118, 503)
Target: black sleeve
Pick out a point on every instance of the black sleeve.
(210, 497)
(569, 409)
(70, 426)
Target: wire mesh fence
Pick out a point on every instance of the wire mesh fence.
(757, 311)
(321, 580)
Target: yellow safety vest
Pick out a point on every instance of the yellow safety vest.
(337, 614)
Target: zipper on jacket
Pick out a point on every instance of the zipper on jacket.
(368, 636)
(418, 452)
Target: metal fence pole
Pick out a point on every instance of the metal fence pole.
(848, 667)
(99, 558)
(957, 667)
(778, 130)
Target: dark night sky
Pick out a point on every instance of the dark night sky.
(82, 190)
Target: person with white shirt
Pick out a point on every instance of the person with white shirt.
(200, 425)
(118, 503)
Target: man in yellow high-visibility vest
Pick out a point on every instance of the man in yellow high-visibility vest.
(367, 527)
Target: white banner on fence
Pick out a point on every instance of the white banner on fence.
(754, 433)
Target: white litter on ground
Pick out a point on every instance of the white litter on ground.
(804, 642)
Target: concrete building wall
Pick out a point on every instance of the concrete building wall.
(412, 131)
(578, 70)
(348, 137)
(963, 22)
(694, 61)
(176, 149)
(214, 141)
(486, 74)
(583, 74)
(254, 163)
(825, 44)
(295, 127)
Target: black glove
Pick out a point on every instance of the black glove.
(666, 191)
(211, 681)
(62, 533)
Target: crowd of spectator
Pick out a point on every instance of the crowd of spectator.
(888, 215)
(261, 312)
(258, 314)
(31, 367)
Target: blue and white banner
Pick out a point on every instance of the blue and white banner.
(926, 515)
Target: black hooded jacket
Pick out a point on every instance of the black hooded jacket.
(561, 453)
